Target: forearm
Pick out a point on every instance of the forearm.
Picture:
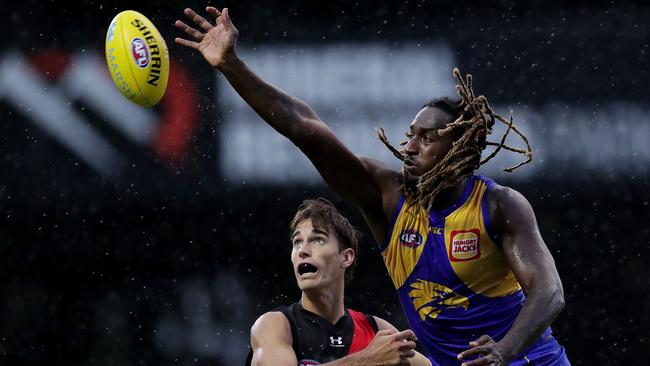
(280, 110)
(538, 312)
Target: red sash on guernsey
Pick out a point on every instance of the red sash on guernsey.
(363, 332)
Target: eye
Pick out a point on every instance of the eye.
(318, 240)
(296, 243)
(409, 135)
(427, 139)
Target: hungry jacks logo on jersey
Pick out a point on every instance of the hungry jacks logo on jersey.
(464, 245)
(410, 238)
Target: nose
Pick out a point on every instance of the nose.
(304, 251)
(411, 147)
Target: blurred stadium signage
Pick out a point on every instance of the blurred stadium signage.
(356, 88)
(71, 98)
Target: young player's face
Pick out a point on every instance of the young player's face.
(317, 260)
(425, 147)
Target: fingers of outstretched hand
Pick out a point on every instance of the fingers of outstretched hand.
(212, 10)
(224, 19)
(186, 43)
(198, 20)
(189, 30)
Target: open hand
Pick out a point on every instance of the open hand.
(216, 43)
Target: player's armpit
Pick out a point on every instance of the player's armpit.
(271, 341)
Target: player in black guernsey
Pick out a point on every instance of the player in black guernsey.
(319, 329)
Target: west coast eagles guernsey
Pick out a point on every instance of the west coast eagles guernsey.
(451, 276)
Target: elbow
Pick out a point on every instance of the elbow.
(557, 299)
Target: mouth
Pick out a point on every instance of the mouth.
(410, 167)
(306, 270)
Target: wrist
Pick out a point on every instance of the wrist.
(507, 351)
(229, 60)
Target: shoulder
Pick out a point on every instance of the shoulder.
(273, 324)
(509, 209)
(506, 199)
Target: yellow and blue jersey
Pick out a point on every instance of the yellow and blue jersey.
(450, 273)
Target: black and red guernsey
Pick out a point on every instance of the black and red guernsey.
(317, 341)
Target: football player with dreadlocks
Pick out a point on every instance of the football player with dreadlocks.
(476, 281)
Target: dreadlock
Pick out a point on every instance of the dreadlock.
(472, 121)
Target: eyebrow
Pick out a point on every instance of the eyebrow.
(316, 231)
(320, 231)
(424, 130)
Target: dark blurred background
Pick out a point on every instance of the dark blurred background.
(134, 236)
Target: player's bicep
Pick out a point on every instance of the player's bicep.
(271, 341)
(522, 243)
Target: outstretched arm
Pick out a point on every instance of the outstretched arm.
(533, 266)
(272, 345)
(353, 178)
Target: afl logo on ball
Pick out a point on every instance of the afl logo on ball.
(140, 52)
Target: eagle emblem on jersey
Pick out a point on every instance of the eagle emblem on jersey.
(430, 298)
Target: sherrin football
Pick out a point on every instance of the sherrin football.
(137, 58)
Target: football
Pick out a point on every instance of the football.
(137, 58)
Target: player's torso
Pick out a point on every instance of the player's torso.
(451, 276)
(316, 341)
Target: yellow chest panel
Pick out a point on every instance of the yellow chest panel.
(453, 249)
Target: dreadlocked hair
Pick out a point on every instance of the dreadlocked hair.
(472, 121)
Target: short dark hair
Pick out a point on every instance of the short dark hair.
(324, 215)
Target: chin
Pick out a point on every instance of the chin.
(410, 181)
(308, 285)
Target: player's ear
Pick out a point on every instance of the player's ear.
(347, 257)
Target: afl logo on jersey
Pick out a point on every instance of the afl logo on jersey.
(308, 363)
(140, 52)
(410, 238)
(464, 245)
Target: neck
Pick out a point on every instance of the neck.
(326, 303)
(449, 196)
